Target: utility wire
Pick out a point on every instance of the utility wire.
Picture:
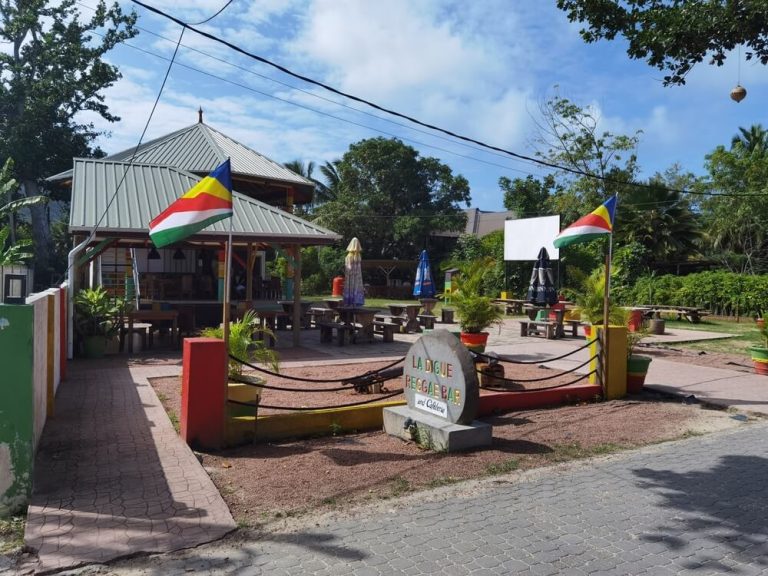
(226, 5)
(389, 111)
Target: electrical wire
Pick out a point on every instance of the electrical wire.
(226, 5)
(307, 79)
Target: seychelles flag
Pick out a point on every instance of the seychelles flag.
(589, 227)
(208, 201)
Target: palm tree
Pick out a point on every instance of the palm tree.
(300, 168)
(754, 139)
(16, 252)
(328, 191)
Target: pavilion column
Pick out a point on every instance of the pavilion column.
(296, 295)
(249, 280)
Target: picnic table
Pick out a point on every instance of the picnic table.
(360, 320)
(288, 309)
(409, 312)
(153, 317)
(511, 305)
(693, 314)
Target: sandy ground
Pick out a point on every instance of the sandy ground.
(269, 482)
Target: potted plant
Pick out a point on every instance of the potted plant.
(476, 312)
(637, 365)
(760, 353)
(98, 319)
(590, 302)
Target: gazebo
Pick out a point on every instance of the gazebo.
(117, 197)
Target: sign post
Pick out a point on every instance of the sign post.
(442, 392)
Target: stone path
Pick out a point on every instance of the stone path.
(112, 477)
(697, 506)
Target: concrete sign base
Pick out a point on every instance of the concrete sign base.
(434, 432)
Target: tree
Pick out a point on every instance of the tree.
(392, 198)
(736, 220)
(527, 197)
(674, 35)
(570, 136)
(754, 139)
(51, 71)
(329, 190)
(12, 251)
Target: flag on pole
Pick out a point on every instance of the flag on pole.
(589, 227)
(208, 201)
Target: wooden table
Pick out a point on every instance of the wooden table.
(511, 306)
(353, 316)
(334, 303)
(693, 314)
(288, 309)
(408, 311)
(153, 316)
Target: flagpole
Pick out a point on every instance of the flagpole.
(225, 314)
(607, 303)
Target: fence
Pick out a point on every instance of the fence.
(33, 361)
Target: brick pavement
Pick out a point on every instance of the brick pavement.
(112, 477)
(697, 506)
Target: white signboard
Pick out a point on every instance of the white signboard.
(523, 238)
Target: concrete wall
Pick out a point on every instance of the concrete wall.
(31, 350)
(17, 437)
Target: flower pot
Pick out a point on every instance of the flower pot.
(475, 341)
(587, 330)
(656, 326)
(94, 346)
(760, 323)
(637, 369)
(760, 359)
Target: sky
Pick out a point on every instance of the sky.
(481, 69)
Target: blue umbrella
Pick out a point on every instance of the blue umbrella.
(541, 290)
(424, 287)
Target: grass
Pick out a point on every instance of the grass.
(502, 467)
(172, 416)
(12, 534)
(442, 481)
(379, 302)
(575, 451)
(743, 335)
(400, 486)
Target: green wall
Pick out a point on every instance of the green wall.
(16, 407)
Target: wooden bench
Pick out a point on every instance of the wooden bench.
(326, 332)
(398, 321)
(538, 328)
(574, 326)
(447, 316)
(427, 320)
(317, 315)
(386, 329)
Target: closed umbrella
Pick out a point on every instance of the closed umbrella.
(541, 290)
(353, 275)
(424, 287)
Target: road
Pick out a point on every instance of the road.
(696, 506)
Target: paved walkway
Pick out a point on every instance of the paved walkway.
(112, 477)
(693, 507)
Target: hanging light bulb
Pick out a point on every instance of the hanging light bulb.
(153, 254)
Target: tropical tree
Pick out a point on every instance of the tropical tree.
(736, 217)
(298, 166)
(393, 199)
(527, 197)
(12, 251)
(51, 70)
(674, 36)
(330, 189)
(754, 139)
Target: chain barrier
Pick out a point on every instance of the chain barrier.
(502, 389)
(358, 382)
(306, 409)
(497, 358)
(315, 380)
(563, 373)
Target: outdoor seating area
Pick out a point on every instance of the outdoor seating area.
(692, 314)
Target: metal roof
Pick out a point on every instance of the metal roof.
(200, 148)
(147, 189)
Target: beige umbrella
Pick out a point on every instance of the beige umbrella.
(353, 275)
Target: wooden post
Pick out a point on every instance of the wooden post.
(297, 295)
(249, 271)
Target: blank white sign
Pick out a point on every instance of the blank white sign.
(524, 238)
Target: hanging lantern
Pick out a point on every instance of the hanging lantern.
(739, 93)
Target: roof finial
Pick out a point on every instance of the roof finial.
(200, 115)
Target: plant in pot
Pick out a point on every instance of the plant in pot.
(476, 312)
(637, 365)
(760, 353)
(98, 319)
(590, 301)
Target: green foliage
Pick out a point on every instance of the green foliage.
(527, 197)
(392, 199)
(723, 293)
(98, 314)
(590, 300)
(476, 312)
(243, 345)
(13, 254)
(675, 36)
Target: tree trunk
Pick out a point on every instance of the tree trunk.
(41, 235)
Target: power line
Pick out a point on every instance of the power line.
(329, 88)
(226, 5)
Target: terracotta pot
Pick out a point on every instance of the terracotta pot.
(475, 341)
(587, 330)
(637, 370)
